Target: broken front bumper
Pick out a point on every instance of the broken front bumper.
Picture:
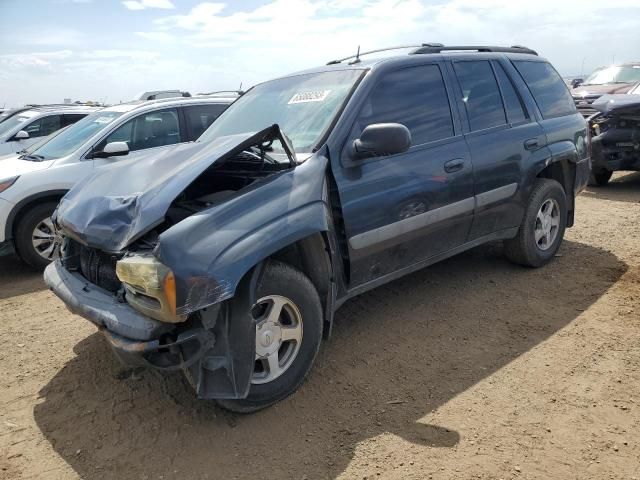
(216, 357)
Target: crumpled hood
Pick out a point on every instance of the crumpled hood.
(590, 90)
(122, 202)
(618, 104)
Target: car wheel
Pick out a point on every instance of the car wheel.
(600, 179)
(542, 228)
(288, 317)
(36, 241)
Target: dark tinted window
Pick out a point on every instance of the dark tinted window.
(153, 129)
(415, 97)
(548, 89)
(44, 126)
(71, 118)
(199, 117)
(513, 104)
(480, 94)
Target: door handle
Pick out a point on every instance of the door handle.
(454, 165)
(531, 144)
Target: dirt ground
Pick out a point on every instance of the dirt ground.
(473, 368)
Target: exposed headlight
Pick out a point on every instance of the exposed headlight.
(150, 287)
(7, 182)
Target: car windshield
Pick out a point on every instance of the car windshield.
(615, 74)
(302, 105)
(71, 139)
(12, 122)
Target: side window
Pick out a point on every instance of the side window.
(512, 102)
(153, 129)
(200, 117)
(71, 118)
(415, 97)
(549, 91)
(480, 94)
(44, 126)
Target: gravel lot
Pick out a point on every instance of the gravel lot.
(473, 368)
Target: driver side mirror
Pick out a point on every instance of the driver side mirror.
(382, 139)
(113, 149)
(21, 135)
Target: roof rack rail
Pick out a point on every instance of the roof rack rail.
(438, 48)
(221, 93)
(359, 54)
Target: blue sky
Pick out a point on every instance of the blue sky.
(109, 50)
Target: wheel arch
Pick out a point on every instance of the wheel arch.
(561, 167)
(24, 205)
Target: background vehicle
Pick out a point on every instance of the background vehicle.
(615, 130)
(31, 184)
(311, 189)
(609, 80)
(28, 126)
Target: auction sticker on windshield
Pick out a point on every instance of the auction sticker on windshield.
(306, 97)
(103, 120)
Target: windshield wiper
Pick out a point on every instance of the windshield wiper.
(32, 158)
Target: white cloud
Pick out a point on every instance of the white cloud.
(143, 4)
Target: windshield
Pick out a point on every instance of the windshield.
(615, 74)
(11, 123)
(303, 106)
(71, 139)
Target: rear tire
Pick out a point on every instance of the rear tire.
(35, 241)
(600, 179)
(281, 285)
(542, 228)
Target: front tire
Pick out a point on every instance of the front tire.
(288, 317)
(542, 228)
(35, 239)
(600, 179)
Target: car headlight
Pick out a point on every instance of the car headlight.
(7, 182)
(150, 287)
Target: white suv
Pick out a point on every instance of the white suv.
(31, 184)
(29, 126)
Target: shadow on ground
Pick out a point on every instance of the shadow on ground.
(16, 278)
(623, 187)
(397, 354)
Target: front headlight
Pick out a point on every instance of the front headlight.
(7, 182)
(150, 287)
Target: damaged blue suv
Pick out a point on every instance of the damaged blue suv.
(227, 258)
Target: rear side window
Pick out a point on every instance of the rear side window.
(549, 91)
(415, 97)
(480, 94)
(200, 117)
(512, 102)
(71, 118)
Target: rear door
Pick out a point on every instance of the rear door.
(502, 134)
(402, 209)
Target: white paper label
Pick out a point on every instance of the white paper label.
(307, 97)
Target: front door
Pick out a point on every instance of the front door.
(402, 209)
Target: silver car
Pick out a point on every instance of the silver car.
(27, 127)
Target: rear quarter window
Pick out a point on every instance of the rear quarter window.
(547, 87)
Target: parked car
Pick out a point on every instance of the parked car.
(609, 80)
(29, 126)
(227, 258)
(32, 183)
(11, 112)
(615, 133)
